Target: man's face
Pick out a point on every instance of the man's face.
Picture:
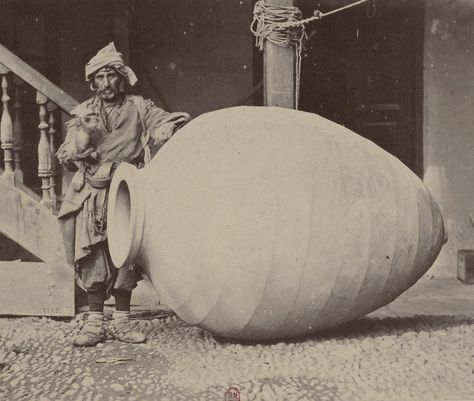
(108, 81)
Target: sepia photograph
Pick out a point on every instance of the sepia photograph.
(237, 200)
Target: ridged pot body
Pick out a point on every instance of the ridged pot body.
(268, 223)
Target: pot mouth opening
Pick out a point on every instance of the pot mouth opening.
(124, 216)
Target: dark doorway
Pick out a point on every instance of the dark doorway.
(364, 71)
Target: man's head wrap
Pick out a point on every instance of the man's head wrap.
(109, 56)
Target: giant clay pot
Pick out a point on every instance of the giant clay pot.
(266, 223)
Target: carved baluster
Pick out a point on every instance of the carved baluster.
(51, 107)
(44, 150)
(17, 131)
(6, 126)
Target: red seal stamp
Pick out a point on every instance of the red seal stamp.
(232, 394)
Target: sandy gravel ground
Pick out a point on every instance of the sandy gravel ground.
(417, 358)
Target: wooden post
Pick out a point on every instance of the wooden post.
(17, 131)
(279, 70)
(6, 125)
(44, 150)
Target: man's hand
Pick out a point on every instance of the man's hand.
(163, 133)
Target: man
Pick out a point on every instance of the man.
(127, 127)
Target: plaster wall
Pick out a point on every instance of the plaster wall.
(448, 137)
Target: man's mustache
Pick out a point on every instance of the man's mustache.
(101, 91)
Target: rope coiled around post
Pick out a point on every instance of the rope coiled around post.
(280, 26)
(284, 26)
(277, 24)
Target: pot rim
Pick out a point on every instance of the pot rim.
(125, 232)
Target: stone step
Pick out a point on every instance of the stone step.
(36, 289)
(30, 224)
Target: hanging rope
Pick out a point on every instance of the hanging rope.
(284, 27)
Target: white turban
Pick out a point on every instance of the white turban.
(109, 56)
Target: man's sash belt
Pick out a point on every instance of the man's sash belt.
(103, 176)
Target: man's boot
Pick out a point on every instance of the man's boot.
(123, 330)
(92, 332)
